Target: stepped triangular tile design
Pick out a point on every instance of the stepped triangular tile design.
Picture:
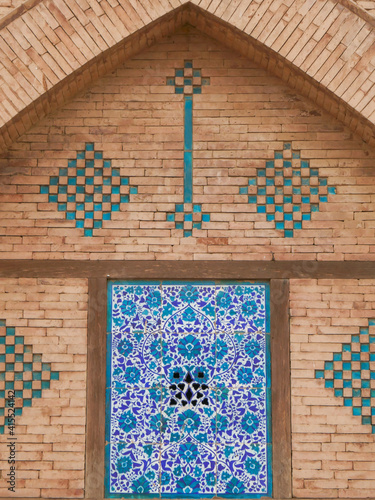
(351, 374)
(24, 377)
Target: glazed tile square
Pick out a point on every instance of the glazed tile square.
(136, 359)
(242, 469)
(134, 469)
(241, 415)
(188, 309)
(241, 359)
(196, 418)
(188, 468)
(136, 308)
(135, 415)
(190, 356)
(241, 308)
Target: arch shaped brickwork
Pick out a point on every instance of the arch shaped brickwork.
(51, 49)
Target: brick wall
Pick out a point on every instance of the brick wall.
(333, 451)
(246, 124)
(244, 121)
(46, 321)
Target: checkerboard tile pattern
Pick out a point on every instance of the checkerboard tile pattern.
(188, 217)
(21, 371)
(188, 80)
(351, 374)
(287, 190)
(89, 189)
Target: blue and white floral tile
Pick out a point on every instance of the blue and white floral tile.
(188, 308)
(188, 468)
(191, 353)
(241, 308)
(197, 418)
(241, 415)
(135, 415)
(241, 359)
(242, 469)
(136, 308)
(189, 395)
(136, 359)
(134, 469)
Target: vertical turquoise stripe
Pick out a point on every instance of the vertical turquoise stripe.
(188, 133)
(188, 146)
(188, 177)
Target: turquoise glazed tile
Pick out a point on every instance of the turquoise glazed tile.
(187, 354)
(241, 359)
(135, 415)
(96, 172)
(241, 415)
(195, 419)
(188, 308)
(242, 467)
(136, 359)
(241, 308)
(188, 469)
(134, 469)
(188, 89)
(355, 363)
(136, 308)
(20, 376)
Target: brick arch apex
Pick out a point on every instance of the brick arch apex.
(47, 63)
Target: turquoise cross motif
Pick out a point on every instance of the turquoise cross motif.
(188, 81)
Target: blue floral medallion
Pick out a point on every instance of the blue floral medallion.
(188, 390)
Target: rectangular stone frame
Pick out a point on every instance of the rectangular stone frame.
(96, 377)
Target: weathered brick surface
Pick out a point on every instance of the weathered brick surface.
(50, 435)
(367, 5)
(8, 6)
(333, 452)
(240, 120)
(331, 42)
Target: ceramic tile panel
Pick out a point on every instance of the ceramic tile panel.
(188, 390)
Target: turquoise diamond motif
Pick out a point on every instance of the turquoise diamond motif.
(89, 190)
(288, 190)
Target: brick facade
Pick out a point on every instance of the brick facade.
(95, 166)
(325, 50)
